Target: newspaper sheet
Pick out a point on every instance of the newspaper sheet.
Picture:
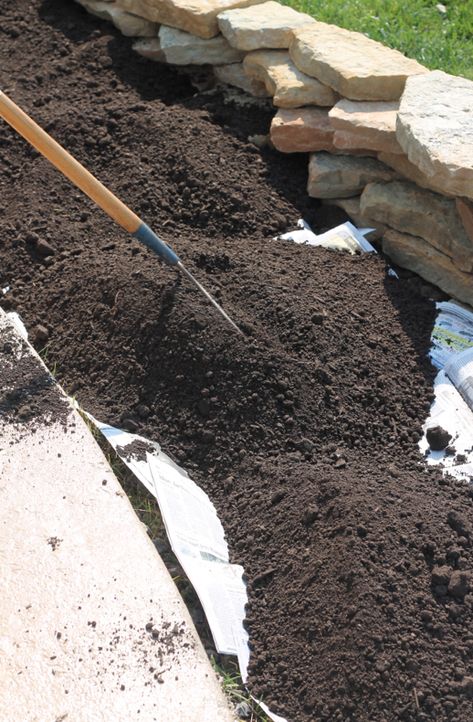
(452, 333)
(459, 369)
(452, 352)
(197, 539)
(451, 412)
(345, 237)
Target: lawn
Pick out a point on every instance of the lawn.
(439, 36)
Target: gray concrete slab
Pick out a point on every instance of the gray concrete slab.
(92, 627)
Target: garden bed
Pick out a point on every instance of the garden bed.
(304, 433)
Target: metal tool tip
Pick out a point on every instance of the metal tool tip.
(209, 298)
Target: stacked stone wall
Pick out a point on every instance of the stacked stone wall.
(390, 142)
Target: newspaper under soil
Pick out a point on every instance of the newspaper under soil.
(305, 432)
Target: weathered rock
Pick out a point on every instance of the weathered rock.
(269, 25)
(435, 267)
(403, 166)
(407, 208)
(235, 75)
(342, 176)
(150, 49)
(290, 87)
(465, 211)
(351, 206)
(128, 24)
(198, 18)
(347, 142)
(182, 48)
(435, 129)
(352, 64)
(302, 130)
(366, 124)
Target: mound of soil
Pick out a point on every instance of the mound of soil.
(304, 432)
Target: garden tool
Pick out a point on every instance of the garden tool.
(92, 187)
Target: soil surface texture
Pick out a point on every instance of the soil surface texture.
(303, 431)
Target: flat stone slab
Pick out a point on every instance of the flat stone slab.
(182, 48)
(347, 142)
(199, 18)
(128, 24)
(409, 209)
(367, 124)
(402, 164)
(268, 25)
(355, 66)
(83, 587)
(289, 87)
(435, 129)
(342, 176)
(419, 256)
(234, 74)
(302, 130)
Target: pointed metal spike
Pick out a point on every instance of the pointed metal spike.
(212, 300)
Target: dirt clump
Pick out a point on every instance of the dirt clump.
(304, 432)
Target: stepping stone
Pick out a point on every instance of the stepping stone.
(417, 255)
(269, 25)
(182, 48)
(342, 176)
(302, 130)
(407, 208)
(290, 87)
(355, 66)
(435, 129)
(194, 17)
(235, 75)
(404, 167)
(128, 24)
(367, 124)
(93, 626)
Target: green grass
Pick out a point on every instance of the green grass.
(235, 691)
(415, 27)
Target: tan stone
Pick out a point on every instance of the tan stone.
(435, 129)
(198, 18)
(347, 142)
(235, 75)
(407, 208)
(128, 24)
(435, 267)
(403, 166)
(290, 87)
(342, 176)
(302, 130)
(149, 48)
(352, 64)
(465, 211)
(366, 124)
(351, 206)
(182, 48)
(268, 25)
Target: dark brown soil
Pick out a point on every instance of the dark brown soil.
(304, 433)
(28, 392)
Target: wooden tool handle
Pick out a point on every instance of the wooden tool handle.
(64, 162)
